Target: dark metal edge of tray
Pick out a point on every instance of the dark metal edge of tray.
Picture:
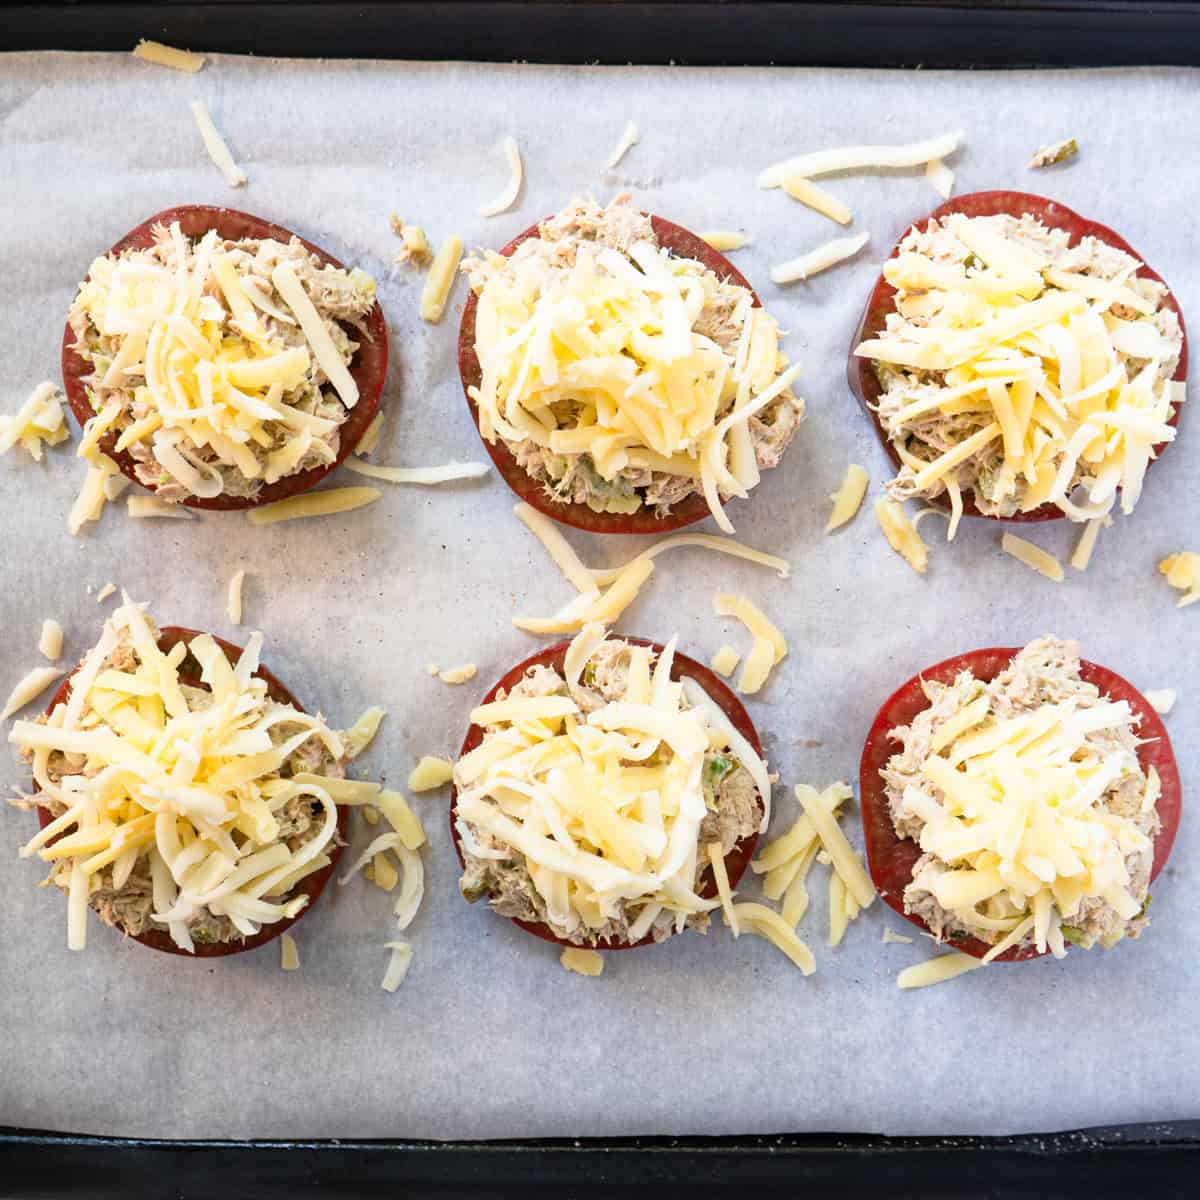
(869, 33)
(1113, 1161)
(1110, 1162)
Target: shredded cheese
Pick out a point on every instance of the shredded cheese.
(855, 158)
(362, 733)
(767, 923)
(289, 955)
(940, 176)
(41, 420)
(313, 504)
(430, 773)
(291, 290)
(460, 674)
(846, 862)
(939, 969)
(816, 198)
(447, 473)
(1182, 571)
(512, 189)
(51, 642)
(31, 685)
(214, 143)
(369, 442)
(151, 507)
(1034, 557)
(1161, 700)
(168, 56)
(725, 661)
(901, 535)
(827, 255)
(1081, 556)
(109, 589)
(233, 600)
(402, 819)
(899, 939)
(847, 500)
(629, 138)
(440, 279)
(398, 964)
(769, 646)
(582, 962)
(725, 240)
(384, 875)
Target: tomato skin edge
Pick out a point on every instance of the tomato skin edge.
(736, 861)
(860, 373)
(312, 885)
(890, 859)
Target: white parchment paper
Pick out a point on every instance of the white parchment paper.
(489, 1037)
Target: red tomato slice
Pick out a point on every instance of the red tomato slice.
(311, 886)
(891, 860)
(369, 368)
(736, 860)
(861, 374)
(684, 244)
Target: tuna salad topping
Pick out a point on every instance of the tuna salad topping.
(1027, 797)
(622, 375)
(219, 366)
(184, 797)
(590, 803)
(1023, 369)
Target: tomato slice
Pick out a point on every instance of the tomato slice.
(736, 860)
(681, 242)
(369, 367)
(891, 859)
(311, 886)
(860, 372)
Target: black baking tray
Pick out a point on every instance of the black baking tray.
(1120, 1161)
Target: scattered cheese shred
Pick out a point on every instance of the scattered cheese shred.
(767, 923)
(402, 819)
(447, 473)
(725, 240)
(716, 860)
(430, 773)
(512, 189)
(233, 600)
(362, 733)
(30, 686)
(369, 442)
(289, 956)
(582, 962)
(817, 198)
(440, 279)
(895, 938)
(218, 151)
(109, 589)
(1161, 700)
(1182, 571)
(291, 290)
(706, 541)
(398, 965)
(1056, 152)
(725, 661)
(41, 420)
(150, 507)
(51, 641)
(458, 674)
(821, 259)
(847, 500)
(1039, 560)
(769, 647)
(168, 56)
(1081, 556)
(384, 875)
(901, 535)
(314, 504)
(938, 969)
(557, 546)
(89, 504)
(629, 138)
(855, 158)
(846, 861)
(940, 176)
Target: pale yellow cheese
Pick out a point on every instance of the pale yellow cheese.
(369, 442)
(516, 173)
(1034, 557)
(1081, 556)
(895, 938)
(233, 599)
(399, 962)
(827, 255)
(402, 818)
(430, 773)
(51, 641)
(848, 498)
(582, 962)
(856, 158)
(292, 292)
(846, 862)
(28, 688)
(629, 138)
(168, 56)
(313, 504)
(214, 143)
(150, 507)
(817, 199)
(41, 420)
(725, 660)
(384, 874)
(459, 674)
(440, 279)
(1182, 571)
(938, 969)
(725, 240)
(446, 473)
(109, 589)
(289, 955)
(767, 923)
(716, 859)
(901, 535)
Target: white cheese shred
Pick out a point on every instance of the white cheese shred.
(168, 56)
(938, 969)
(940, 176)
(440, 279)
(1034, 557)
(50, 644)
(724, 240)
(629, 138)
(1161, 700)
(582, 962)
(314, 504)
(289, 956)
(218, 151)
(29, 688)
(233, 600)
(151, 507)
(447, 473)
(398, 964)
(821, 259)
(512, 189)
(856, 158)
